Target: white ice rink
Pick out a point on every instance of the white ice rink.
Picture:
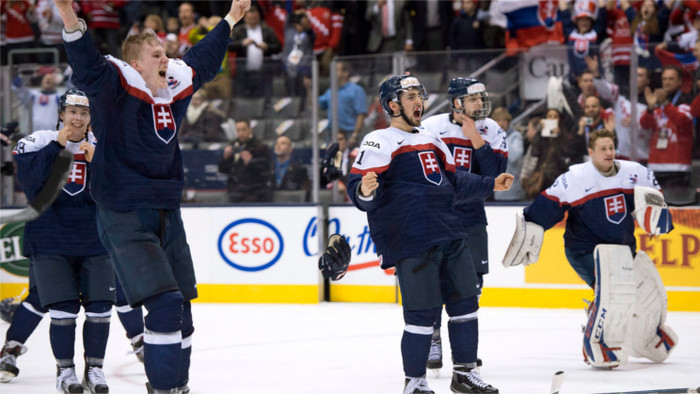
(354, 348)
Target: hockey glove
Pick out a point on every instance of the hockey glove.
(334, 262)
(332, 163)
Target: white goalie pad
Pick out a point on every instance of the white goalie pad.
(649, 337)
(525, 246)
(650, 210)
(610, 314)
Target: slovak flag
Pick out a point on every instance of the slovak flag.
(530, 23)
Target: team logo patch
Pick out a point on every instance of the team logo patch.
(634, 178)
(547, 13)
(581, 48)
(173, 83)
(76, 179)
(163, 122)
(615, 208)
(463, 157)
(431, 168)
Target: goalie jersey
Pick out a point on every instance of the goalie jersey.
(599, 207)
(68, 227)
(490, 160)
(413, 208)
(138, 158)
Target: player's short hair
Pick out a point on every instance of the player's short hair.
(131, 48)
(600, 133)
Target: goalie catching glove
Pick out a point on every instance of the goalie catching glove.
(334, 262)
(651, 210)
(332, 163)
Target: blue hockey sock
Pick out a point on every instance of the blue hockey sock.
(464, 329)
(163, 340)
(26, 319)
(96, 331)
(415, 343)
(62, 331)
(131, 318)
(186, 353)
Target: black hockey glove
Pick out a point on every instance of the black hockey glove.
(332, 163)
(334, 262)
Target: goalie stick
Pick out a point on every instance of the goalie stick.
(48, 193)
(660, 391)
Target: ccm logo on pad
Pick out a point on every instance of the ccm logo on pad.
(250, 244)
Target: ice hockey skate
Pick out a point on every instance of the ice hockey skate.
(94, 380)
(435, 356)
(417, 386)
(67, 382)
(467, 380)
(179, 390)
(8, 360)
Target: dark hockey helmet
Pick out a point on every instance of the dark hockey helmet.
(461, 87)
(392, 88)
(73, 97)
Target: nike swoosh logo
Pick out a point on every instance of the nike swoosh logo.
(401, 142)
(443, 132)
(484, 262)
(587, 190)
(112, 288)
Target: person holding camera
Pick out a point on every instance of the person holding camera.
(595, 117)
(554, 148)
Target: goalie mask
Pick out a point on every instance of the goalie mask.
(392, 88)
(466, 89)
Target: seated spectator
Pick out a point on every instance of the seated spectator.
(668, 116)
(514, 139)
(554, 148)
(246, 162)
(153, 23)
(288, 174)
(202, 122)
(352, 104)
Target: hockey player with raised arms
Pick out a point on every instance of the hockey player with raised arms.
(139, 103)
(478, 145)
(70, 266)
(405, 180)
(603, 197)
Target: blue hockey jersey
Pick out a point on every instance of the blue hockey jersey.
(413, 208)
(69, 226)
(600, 208)
(490, 160)
(137, 162)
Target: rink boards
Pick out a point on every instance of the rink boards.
(269, 254)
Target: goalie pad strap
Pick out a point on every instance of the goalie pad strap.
(649, 337)
(609, 314)
(526, 243)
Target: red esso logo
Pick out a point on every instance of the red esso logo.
(250, 244)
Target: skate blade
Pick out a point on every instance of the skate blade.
(6, 376)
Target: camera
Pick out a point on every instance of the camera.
(588, 120)
(548, 126)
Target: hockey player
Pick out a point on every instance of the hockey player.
(478, 145)
(69, 264)
(602, 198)
(405, 180)
(140, 102)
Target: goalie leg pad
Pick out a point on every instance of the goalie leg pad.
(610, 313)
(649, 337)
(526, 243)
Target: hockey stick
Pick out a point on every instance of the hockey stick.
(557, 380)
(48, 193)
(676, 390)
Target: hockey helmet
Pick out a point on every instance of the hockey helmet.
(72, 97)
(461, 87)
(392, 88)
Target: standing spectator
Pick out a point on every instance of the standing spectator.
(288, 174)
(392, 29)
(172, 46)
(584, 30)
(254, 42)
(352, 104)
(618, 29)
(246, 162)
(432, 21)
(466, 34)
(202, 121)
(50, 27)
(42, 101)
(402, 167)
(594, 118)
(19, 15)
(186, 17)
(172, 25)
(297, 56)
(138, 179)
(327, 23)
(70, 265)
(648, 27)
(353, 39)
(219, 89)
(553, 150)
(514, 140)
(668, 116)
(103, 23)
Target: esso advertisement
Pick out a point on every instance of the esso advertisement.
(364, 265)
(250, 244)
